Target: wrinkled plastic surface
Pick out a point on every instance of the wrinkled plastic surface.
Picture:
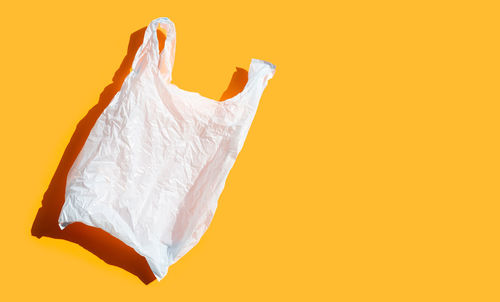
(156, 161)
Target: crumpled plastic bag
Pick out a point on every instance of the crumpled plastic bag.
(156, 161)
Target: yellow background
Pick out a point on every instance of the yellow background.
(370, 173)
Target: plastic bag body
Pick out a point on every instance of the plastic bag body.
(156, 161)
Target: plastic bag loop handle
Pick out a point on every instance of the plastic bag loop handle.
(150, 48)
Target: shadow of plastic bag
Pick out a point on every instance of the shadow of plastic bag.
(97, 241)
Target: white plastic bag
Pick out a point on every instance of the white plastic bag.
(156, 161)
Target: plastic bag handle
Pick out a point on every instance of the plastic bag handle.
(149, 48)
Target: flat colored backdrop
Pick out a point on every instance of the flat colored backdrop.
(370, 173)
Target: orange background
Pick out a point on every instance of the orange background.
(370, 172)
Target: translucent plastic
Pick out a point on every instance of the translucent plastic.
(156, 161)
